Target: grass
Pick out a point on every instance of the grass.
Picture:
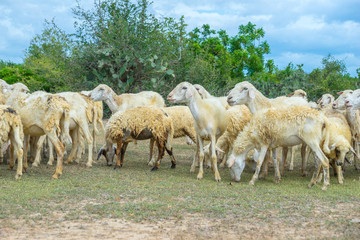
(135, 193)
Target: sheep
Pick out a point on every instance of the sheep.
(43, 113)
(13, 87)
(125, 101)
(97, 115)
(246, 93)
(338, 141)
(139, 124)
(210, 120)
(353, 118)
(205, 94)
(302, 94)
(325, 101)
(183, 123)
(11, 129)
(280, 127)
(238, 116)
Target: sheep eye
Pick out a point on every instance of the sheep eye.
(184, 88)
(245, 88)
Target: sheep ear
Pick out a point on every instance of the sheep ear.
(339, 93)
(251, 93)
(219, 149)
(353, 151)
(332, 147)
(303, 94)
(230, 162)
(290, 94)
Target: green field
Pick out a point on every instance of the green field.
(171, 203)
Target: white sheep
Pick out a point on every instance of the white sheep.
(353, 118)
(11, 129)
(43, 113)
(238, 117)
(205, 94)
(127, 100)
(246, 93)
(210, 120)
(280, 127)
(13, 87)
(325, 101)
(338, 141)
(139, 124)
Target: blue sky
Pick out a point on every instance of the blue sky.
(301, 32)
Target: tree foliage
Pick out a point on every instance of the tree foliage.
(120, 43)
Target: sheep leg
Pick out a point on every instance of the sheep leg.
(265, 165)
(201, 158)
(89, 139)
(316, 173)
(214, 159)
(74, 134)
(356, 157)
(38, 146)
(258, 165)
(94, 137)
(284, 158)
(173, 161)
(12, 157)
(340, 176)
(161, 151)
(324, 161)
(151, 161)
(26, 145)
(118, 153)
(59, 148)
(305, 151)
(196, 157)
(17, 145)
(123, 150)
(1, 154)
(51, 153)
(292, 155)
(277, 177)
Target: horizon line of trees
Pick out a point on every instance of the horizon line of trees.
(121, 44)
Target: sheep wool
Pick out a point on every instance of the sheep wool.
(9, 119)
(271, 123)
(183, 121)
(138, 119)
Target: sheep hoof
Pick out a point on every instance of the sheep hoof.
(173, 165)
(324, 188)
(277, 180)
(18, 176)
(56, 176)
(304, 174)
(10, 167)
(150, 164)
(222, 165)
(89, 165)
(357, 168)
(252, 183)
(35, 165)
(291, 168)
(199, 176)
(192, 169)
(154, 168)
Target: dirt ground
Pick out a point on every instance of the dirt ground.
(188, 227)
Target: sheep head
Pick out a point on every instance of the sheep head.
(182, 93)
(298, 93)
(339, 103)
(242, 93)
(325, 100)
(101, 92)
(353, 101)
(202, 91)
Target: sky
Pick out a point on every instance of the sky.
(298, 31)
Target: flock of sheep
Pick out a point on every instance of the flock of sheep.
(244, 128)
